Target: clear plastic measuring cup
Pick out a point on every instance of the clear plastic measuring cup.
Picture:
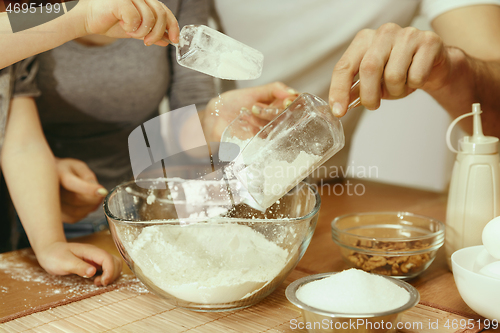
(211, 52)
(287, 150)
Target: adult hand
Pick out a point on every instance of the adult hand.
(61, 258)
(140, 19)
(261, 104)
(81, 194)
(392, 62)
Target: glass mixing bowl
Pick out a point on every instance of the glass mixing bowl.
(189, 244)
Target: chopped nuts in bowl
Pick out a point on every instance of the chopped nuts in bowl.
(398, 244)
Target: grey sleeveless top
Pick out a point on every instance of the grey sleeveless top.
(93, 97)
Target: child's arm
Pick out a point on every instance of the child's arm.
(30, 173)
(145, 19)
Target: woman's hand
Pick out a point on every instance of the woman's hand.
(392, 62)
(261, 104)
(61, 258)
(140, 19)
(80, 192)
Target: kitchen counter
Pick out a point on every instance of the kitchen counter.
(33, 301)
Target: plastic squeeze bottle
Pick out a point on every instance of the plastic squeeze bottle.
(474, 196)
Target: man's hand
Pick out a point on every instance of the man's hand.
(392, 62)
(61, 258)
(140, 19)
(81, 194)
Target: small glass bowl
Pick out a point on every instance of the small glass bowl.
(326, 321)
(397, 244)
(150, 224)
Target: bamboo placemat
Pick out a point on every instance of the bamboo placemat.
(26, 288)
(130, 308)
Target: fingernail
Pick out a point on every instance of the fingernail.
(272, 111)
(337, 109)
(102, 192)
(89, 272)
(256, 110)
(292, 91)
(244, 110)
(147, 44)
(287, 102)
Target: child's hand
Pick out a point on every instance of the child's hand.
(81, 194)
(61, 258)
(141, 19)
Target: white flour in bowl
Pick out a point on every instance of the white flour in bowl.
(207, 263)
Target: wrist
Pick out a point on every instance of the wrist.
(459, 89)
(77, 20)
(456, 69)
(41, 244)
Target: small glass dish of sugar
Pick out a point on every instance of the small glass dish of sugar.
(351, 301)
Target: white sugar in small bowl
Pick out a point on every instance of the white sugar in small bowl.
(316, 320)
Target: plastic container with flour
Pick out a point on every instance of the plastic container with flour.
(211, 52)
(287, 150)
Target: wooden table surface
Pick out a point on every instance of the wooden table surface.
(436, 285)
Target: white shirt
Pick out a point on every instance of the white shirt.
(302, 40)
